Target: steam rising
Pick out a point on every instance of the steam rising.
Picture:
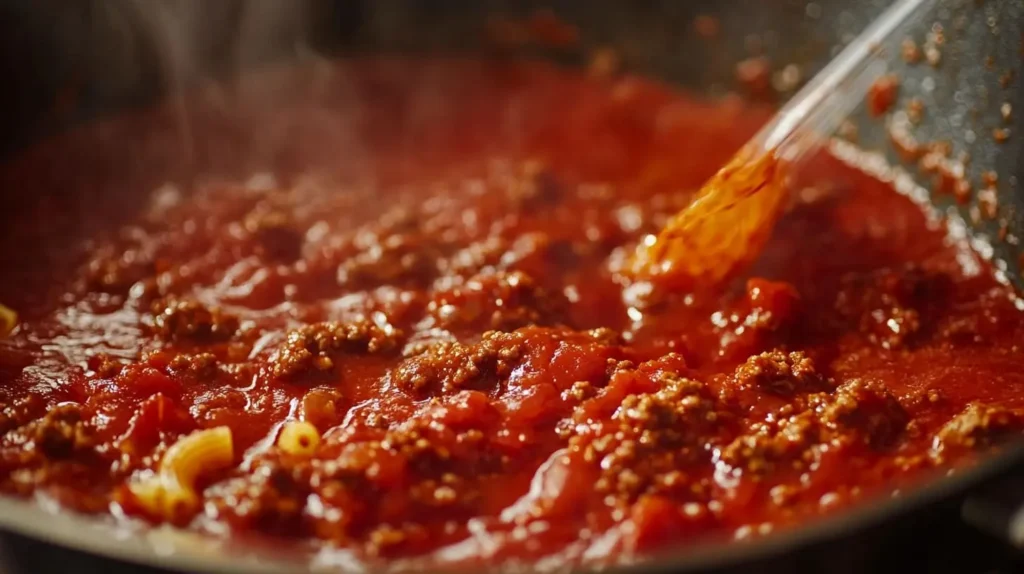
(139, 48)
(186, 39)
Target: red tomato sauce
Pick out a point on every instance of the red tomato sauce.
(421, 259)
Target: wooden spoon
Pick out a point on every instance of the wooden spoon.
(733, 214)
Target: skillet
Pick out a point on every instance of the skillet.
(120, 56)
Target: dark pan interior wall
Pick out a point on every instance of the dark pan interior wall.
(65, 61)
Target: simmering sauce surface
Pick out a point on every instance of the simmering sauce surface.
(421, 259)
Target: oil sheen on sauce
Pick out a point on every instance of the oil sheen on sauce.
(421, 258)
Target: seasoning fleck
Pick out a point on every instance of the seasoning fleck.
(910, 51)
(882, 94)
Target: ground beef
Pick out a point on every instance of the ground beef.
(780, 373)
(420, 450)
(19, 413)
(312, 349)
(449, 366)
(192, 321)
(977, 427)
(199, 366)
(274, 234)
(432, 449)
(391, 251)
(500, 301)
(271, 497)
(651, 438)
(105, 365)
(422, 461)
(866, 407)
(855, 413)
(63, 432)
(767, 446)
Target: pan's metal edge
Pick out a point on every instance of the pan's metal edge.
(841, 525)
(171, 549)
(161, 547)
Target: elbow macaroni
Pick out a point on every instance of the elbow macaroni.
(298, 438)
(171, 492)
(8, 320)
